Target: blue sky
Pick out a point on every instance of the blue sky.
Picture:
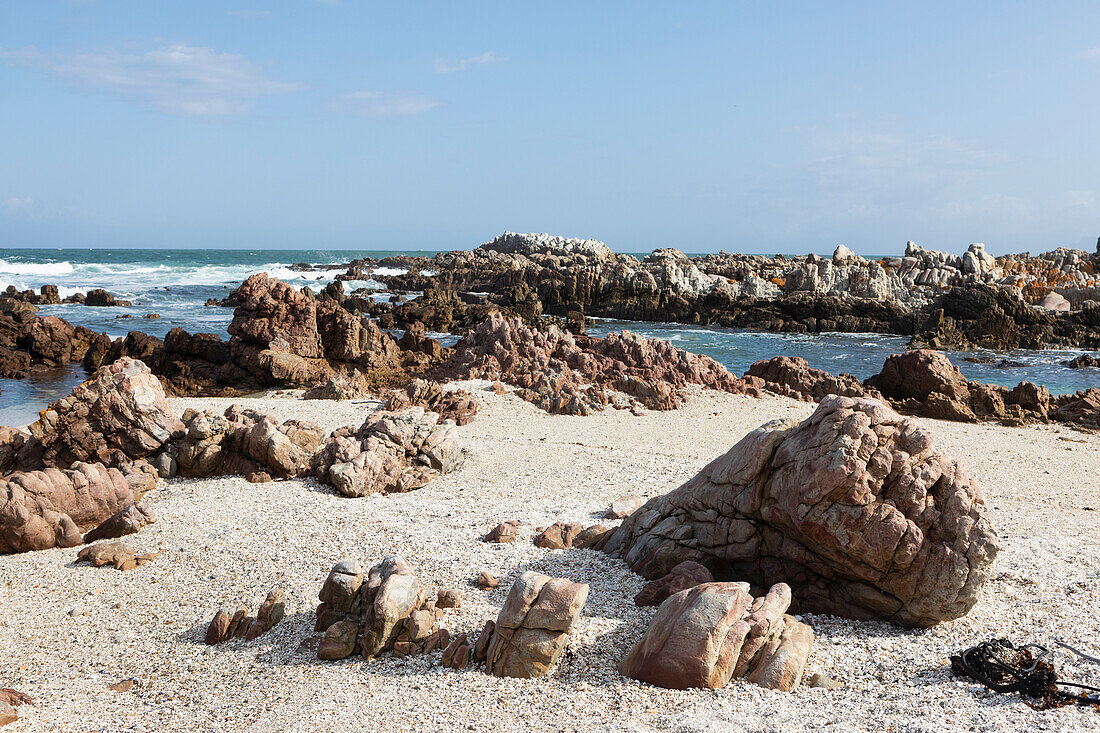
(759, 127)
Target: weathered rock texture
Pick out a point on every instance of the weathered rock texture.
(707, 635)
(390, 452)
(48, 508)
(243, 442)
(120, 554)
(128, 520)
(533, 627)
(117, 416)
(457, 405)
(568, 374)
(386, 610)
(851, 507)
(237, 624)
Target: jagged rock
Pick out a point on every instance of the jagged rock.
(591, 537)
(794, 377)
(237, 624)
(503, 532)
(368, 615)
(456, 405)
(48, 508)
(687, 574)
(100, 297)
(919, 373)
(120, 554)
(127, 520)
(11, 442)
(245, 442)
(898, 531)
(390, 452)
(533, 627)
(117, 416)
(457, 653)
(449, 598)
(707, 635)
(338, 387)
(568, 374)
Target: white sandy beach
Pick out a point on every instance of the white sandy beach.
(68, 631)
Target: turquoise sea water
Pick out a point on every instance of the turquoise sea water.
(176, 284)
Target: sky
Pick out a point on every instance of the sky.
(747, 126)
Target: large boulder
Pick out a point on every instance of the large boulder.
(533, 627)
(457, 405)
(851, 507)
(707, 635)
(117, 416)
(49, 508)
(918, 373)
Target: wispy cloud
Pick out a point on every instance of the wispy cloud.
(17, 204)
(384, 105)
(1092, 53)
(175, 78)
(486, 59)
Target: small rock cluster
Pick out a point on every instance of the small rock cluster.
(120, 554)
(390, 452)
(243, 442)
(229, 623)
(456, 405)
(707, 635)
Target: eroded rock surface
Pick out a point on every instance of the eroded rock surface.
(707, 635)
(851, 507)
(245, 442)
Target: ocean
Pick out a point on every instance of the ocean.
(176, 283)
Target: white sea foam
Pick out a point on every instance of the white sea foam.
(8, 268)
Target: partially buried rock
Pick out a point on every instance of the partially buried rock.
(119, 554)
(687, 574)
(707, 635)
(229, 623)
(449, 598)
(558, 536)
(127, 521)
(533, 628)
(486, 581)
(457, 653)
(367, 615)
(503, 532)
(591, 537)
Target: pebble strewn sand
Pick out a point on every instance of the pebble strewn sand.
(68, 631)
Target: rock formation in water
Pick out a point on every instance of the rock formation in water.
(851, 507)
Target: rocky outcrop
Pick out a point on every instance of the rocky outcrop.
(118, 416)
(243, 442)
(533, 627)
(390, 452)
(707, 635)
(851, 507)
(49, 508)
(456, 405)
(794, 377)
(568, 374)
(29, 341)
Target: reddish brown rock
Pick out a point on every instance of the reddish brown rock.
(503, 532)
(687, 574)
(390, 452)
(245, 442)
(533, 627)
(486, 581)
(48, 508)
(127, 520)
(117, 416)
(794, 377)
(919, 373)
(558, 536)
(237, 624)
(457, 405)
(120, 554)
(707, 635)
(624, 506)
(898, 531)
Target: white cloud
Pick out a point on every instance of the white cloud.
(486, 59)
(383, 105)
(17, 204)
(176, 78)
(1092, 53)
